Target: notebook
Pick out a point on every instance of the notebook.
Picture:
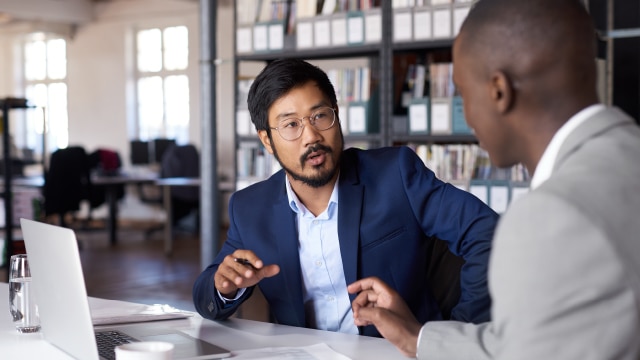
(63, 304)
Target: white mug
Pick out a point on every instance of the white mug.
(145, 350)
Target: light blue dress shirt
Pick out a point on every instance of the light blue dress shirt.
(326, 301)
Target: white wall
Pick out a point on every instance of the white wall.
(100, 64)
(100, 70)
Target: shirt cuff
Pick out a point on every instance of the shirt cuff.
(419, 342)
(227, 300)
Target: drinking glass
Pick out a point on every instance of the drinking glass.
(22, 304)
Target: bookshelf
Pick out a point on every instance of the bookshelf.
(404, 47)
(8, 104)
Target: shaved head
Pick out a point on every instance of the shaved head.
(523, 68)
(533, 39)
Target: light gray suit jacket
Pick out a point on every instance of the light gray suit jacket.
(565, 268)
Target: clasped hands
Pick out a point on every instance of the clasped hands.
(376, 304)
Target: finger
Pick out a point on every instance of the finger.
(369, 283)
(365, 298)
(369, 316)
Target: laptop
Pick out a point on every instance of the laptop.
(63, 305)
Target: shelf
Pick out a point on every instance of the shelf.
(435, 139)
(441, 44)
(317, 54)
(15, 103)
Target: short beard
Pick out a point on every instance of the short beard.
(314, 182)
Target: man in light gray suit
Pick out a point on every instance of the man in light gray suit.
(565, 268)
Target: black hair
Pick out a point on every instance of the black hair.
(276, 80)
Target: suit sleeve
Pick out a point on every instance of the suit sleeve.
(464, 222)
(559, 288)
(205, 297)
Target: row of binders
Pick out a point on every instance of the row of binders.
(278, 25)
(468, 168)
(440, 110)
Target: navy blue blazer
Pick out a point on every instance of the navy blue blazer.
(390, 206)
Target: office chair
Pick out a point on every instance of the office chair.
(67, 182)
(182, 161)
(443, 274)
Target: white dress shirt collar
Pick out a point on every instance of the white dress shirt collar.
(547, 161)
(299, 208)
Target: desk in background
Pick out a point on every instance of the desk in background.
(233, 334)
(111, 184)
(167, 184)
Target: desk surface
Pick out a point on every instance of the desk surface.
(123, 179)
(233, 334)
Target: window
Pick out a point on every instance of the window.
(45, 73)
(162, 84)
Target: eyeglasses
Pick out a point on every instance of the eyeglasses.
(291, 128)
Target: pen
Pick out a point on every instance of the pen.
(244, 262)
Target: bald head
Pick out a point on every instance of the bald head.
(524, 68)
(546, 47)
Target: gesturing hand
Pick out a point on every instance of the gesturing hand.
(379, 305)
(233, 275)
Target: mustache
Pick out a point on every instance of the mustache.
(313, 149)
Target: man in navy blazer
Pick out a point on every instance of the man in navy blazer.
(333, 216)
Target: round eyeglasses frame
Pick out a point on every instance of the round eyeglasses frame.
(301, 124)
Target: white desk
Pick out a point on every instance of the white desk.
(233, 334)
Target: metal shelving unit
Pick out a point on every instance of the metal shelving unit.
(7, 105)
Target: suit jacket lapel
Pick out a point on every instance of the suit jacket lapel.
(288, 257)
(350, 194)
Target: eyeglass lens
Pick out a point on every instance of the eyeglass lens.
(322, 119)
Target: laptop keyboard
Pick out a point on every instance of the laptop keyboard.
(108, 340)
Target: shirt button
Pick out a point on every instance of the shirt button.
(330, 298)
(318, 263)
(315, 222)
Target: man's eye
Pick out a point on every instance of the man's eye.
(320, 116)
(289, 124)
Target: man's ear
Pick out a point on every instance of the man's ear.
(266, 141)
(502, 92)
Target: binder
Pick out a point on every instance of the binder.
(440, 116)
(244, 40)
(339, 29)
(373, 26)
(422, 23)
(499, 195)
(362, 118)
(322, 31)
(402, 24)
(304, 33)
(441, 20)
(355, 27)
(459, 123)
(419, 120)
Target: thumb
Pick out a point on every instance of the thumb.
(269, 271)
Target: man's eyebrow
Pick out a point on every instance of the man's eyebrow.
(294, 114)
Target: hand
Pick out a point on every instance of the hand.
(233, 275)
(379, 305)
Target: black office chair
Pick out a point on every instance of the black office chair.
(443, 274)
(67, 182)
(182, 161)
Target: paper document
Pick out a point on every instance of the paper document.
(109, 312)
(313, 352)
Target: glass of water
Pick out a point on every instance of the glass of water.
(22, 304)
